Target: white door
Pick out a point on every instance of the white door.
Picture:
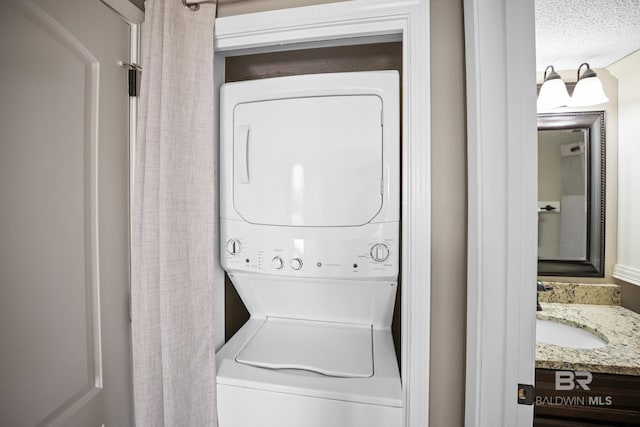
(64, 325)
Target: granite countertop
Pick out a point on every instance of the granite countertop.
(581, 293)
(617, 325)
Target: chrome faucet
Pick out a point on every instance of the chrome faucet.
(541, 287)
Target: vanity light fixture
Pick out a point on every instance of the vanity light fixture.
(588, 90)
(553, 92)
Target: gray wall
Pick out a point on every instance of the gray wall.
(449, 219)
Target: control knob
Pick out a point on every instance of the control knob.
(234, 246)
(277, 263)
(379, 252)
(296, 263)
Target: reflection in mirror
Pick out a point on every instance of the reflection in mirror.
(562, 194)
(571, 158)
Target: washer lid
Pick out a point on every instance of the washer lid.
(333, 349)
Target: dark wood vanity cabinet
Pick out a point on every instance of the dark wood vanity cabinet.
(612, 400)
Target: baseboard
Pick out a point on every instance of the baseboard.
(626, 273)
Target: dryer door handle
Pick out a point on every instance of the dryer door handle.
(241, 161)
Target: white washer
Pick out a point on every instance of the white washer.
(310, 194)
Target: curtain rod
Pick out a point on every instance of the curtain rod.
(194, 5)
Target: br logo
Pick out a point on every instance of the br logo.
(569, 380)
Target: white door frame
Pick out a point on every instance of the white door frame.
(134, 17)
(339, 24)
(502, 239)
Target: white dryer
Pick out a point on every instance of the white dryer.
(310, 201)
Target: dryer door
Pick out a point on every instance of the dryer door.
(312, 161)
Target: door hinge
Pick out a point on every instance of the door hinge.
(132, 70)
(526, 394)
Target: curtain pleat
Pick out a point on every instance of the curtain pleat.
(173, 220)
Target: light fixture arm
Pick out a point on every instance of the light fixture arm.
(587, 73)
(552, 74)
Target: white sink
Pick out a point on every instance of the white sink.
(550, 332)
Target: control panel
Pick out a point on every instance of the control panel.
(350, 252)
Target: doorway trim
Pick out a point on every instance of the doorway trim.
(502, 224)
(348, 23)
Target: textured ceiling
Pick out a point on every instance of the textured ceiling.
(600, 32)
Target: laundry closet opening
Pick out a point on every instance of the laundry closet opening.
(361, 57)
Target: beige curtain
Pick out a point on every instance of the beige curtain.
(173, 223)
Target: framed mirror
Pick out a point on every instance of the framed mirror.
(571, 194)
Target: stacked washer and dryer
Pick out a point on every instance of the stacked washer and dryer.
(309, 216)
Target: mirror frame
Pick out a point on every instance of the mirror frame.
(593, 123)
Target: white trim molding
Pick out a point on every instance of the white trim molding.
(627, 71)
(134, 17)
(627, 273)
(348, 23)
(502, 224)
